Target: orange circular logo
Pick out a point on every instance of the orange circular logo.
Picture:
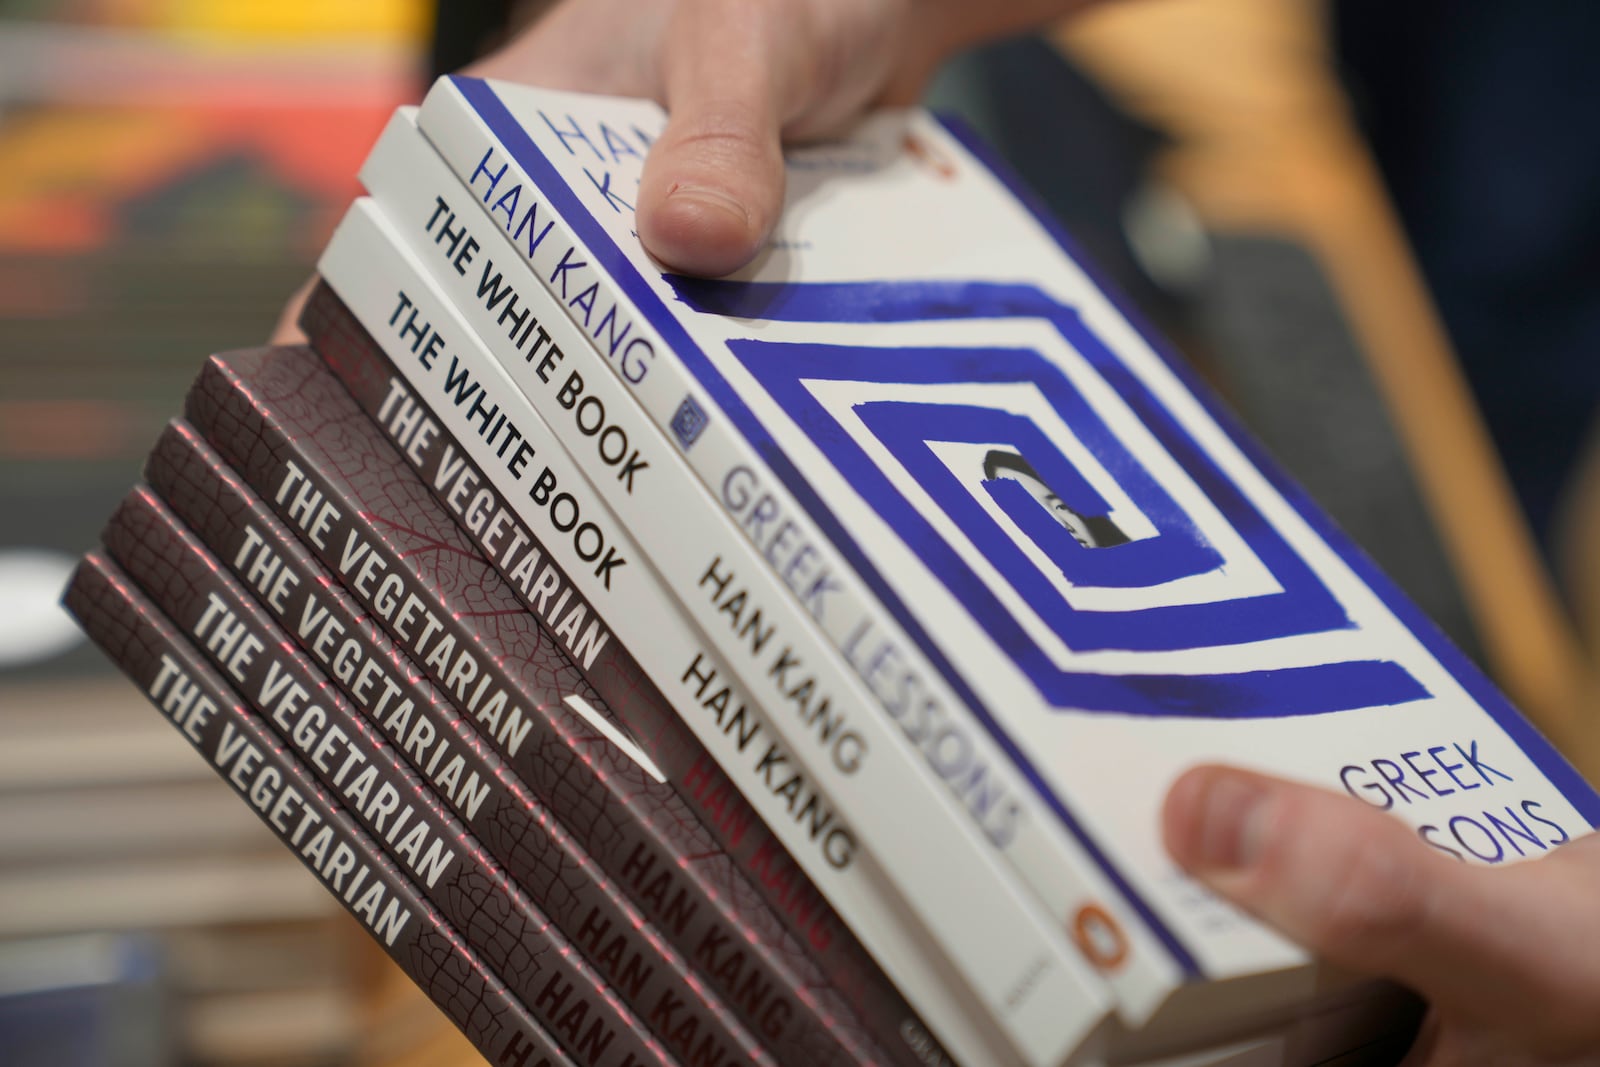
(1099, 938)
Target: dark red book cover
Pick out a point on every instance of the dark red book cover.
(298, 601)
(212, 718)
(641, 832)
(405, 812)
(419, 436)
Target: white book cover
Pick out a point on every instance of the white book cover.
(1105, 571)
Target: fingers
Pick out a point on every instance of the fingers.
(713, 184)
(735, 76)
(1362, 889)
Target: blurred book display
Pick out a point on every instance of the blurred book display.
(783, 668)
(163, 167)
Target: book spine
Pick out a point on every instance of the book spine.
(212, 718)
(679, 876)
(428, 443)
(432, 440)
(912, 696)
(528, 945)
(637, 957)
(631, 949)
(1016, 964)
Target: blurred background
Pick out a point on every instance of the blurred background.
(1373, 227)
(168, 171)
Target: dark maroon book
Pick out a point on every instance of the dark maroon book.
(212, 718)
(420, 438)
(409, 811)
(370, 511)
(298, 600)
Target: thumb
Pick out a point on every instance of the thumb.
(712, 186)
(1499, 948)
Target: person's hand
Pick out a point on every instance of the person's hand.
(738, 79)
(1508, 958)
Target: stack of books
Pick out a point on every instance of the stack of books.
(785, 668)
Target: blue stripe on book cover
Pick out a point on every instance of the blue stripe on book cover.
(1561, 774)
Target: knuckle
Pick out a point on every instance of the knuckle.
(726, 134)
(1372, 902)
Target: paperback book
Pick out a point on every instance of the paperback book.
(435, 596)
(601, 1012)
(711, 677)
(209, 714)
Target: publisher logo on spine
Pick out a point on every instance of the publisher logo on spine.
(688, 422)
